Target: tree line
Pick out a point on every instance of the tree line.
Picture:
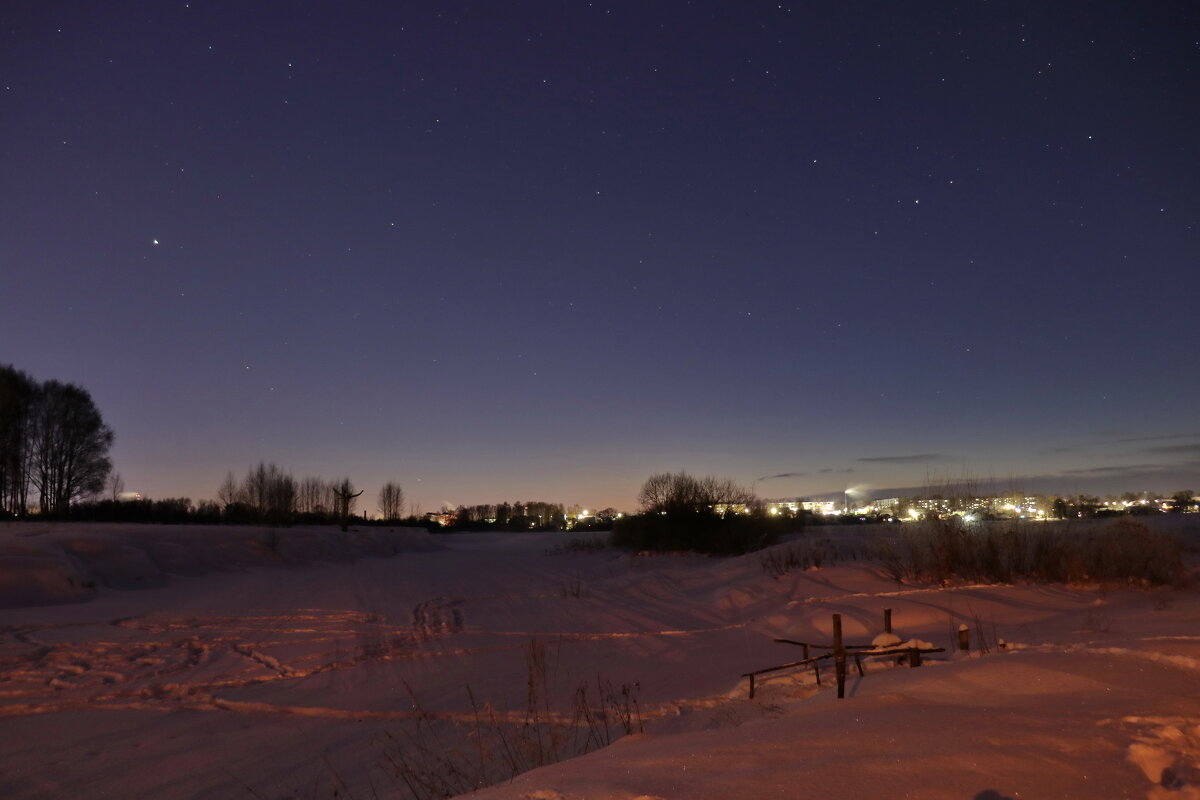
(54, 444)
(515, 516)
(266, 493)
(270, 494)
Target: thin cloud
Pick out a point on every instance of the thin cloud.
(1060, 450)
(1110, 479)
(831, 471)
(1122, 437)
(1114, 470)
(1162, 438)
(918, 458)
(1175, 449)
(781, 475)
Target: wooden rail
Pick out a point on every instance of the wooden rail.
(839, 650)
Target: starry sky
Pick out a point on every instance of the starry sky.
(541, 250)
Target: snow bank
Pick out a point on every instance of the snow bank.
(42, 564)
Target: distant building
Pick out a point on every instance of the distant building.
(822, 507)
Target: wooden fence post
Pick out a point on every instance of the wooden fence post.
(839, 656)
(964, 638)
(887, 620)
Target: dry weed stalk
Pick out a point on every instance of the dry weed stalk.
(439, 758)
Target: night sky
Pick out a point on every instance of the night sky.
(540, 250)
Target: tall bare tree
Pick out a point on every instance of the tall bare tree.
(229, 491)
(115, 486)
(668, 492)
(69, 446)
(17, 395)
(281, 496)
(391, 501)
(656, 492)
(271, 491)
(311, 496)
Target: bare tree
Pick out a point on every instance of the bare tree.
(329, 501)
(656, 492)
(281, 496)
(391, 501)
(17, 395)
(310, 496)
(255, 487)
(115, 486)
(668, 492)
(271, 492)
(229, 492)
(343, 490)
(69, 446)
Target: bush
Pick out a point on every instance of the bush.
(802, 555)
(696, 531)
(435, 758)
(592, 544)
(940, 551)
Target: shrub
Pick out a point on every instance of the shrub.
(796, 556)
(947, 550)
(437, 758)
(591, 544)
(695, 531)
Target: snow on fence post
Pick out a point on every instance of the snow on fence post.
(887, 620)
(839, 656)
(964, 638)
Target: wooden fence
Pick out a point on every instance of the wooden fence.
(839, 651)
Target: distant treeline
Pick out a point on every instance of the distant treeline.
(53, 445)
(270, 494)
(171, 510)
(182, 511)
(266, 494)
(261, 498)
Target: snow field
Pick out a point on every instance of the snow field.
(297, 671)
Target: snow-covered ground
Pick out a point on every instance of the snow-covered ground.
(307, 663)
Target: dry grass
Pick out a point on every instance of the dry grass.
(440, 759)
(802, 555)
(592, 544)
(1125, 551)
(811, 552)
